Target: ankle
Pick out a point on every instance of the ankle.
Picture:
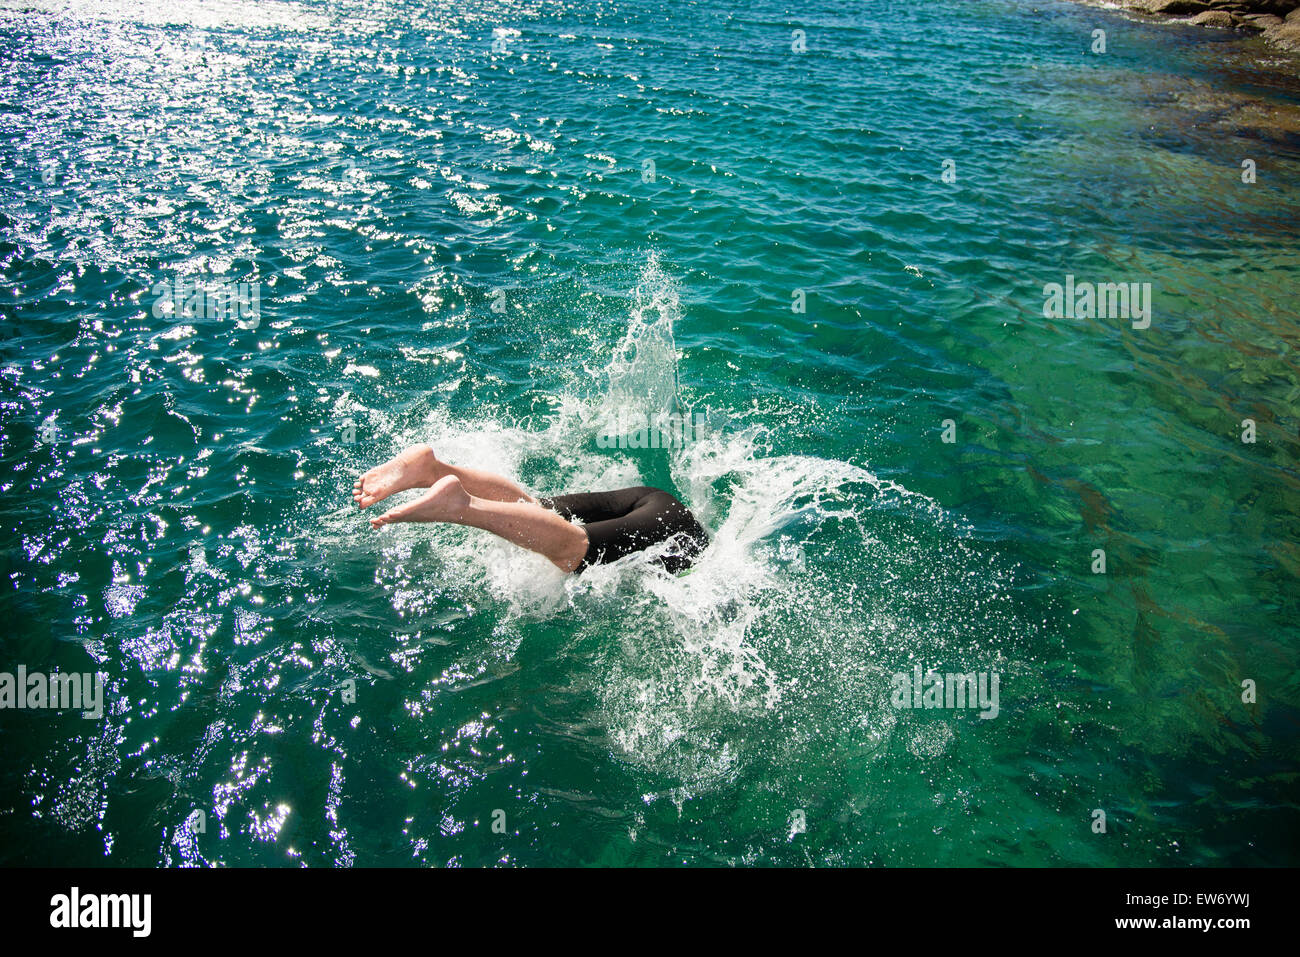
(432, 466)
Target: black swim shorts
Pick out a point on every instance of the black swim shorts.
(629, 520)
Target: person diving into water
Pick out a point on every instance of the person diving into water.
(573, 531)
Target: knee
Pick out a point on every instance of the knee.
(570, 556)
(657, 499)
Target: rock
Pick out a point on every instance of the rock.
(1258, 21)
(1264, 16)
(1278, 7)
(1214, 18)
(1285, 35)
(1178, 8)
(1175, 8)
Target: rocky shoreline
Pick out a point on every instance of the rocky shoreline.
(1278, 20)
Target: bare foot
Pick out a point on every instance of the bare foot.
(445, 502)
(417, 467)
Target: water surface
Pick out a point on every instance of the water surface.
(458, 236)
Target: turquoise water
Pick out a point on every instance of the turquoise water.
(457, 238)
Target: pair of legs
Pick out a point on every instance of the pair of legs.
(471, 497)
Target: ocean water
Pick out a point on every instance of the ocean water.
(495, 226)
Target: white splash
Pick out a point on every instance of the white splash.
(684, 666)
